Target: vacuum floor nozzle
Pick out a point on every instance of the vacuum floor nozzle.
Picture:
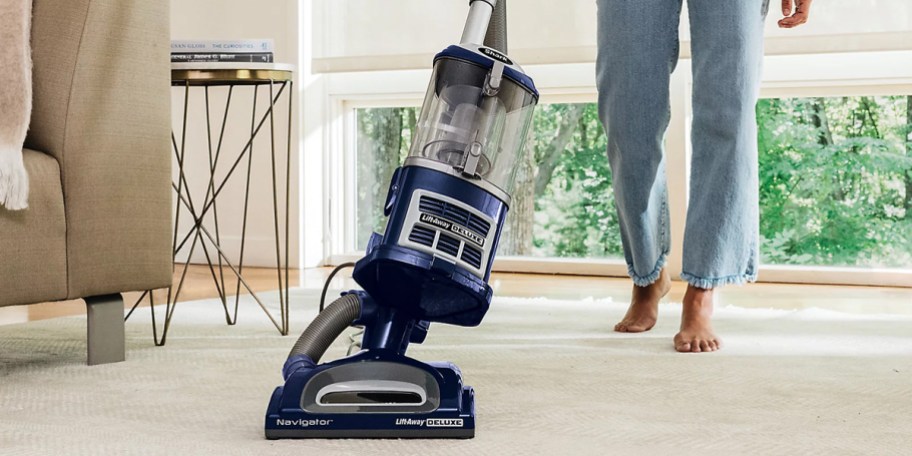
(372, 396)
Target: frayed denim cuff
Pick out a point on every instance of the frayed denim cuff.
(645, 281)
(707, 283)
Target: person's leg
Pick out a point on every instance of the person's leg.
(637, 51)
(721, 233)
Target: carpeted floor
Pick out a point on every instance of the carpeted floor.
(550, 376)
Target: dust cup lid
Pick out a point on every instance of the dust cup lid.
(485, 57)
(476, 112)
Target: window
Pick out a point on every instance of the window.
(836, 181)
(562, 202)
(835, 211)
(563, 205)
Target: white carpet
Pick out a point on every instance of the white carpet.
(550, 376)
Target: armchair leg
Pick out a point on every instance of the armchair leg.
(105, 338)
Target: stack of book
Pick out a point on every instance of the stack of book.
(240, 51)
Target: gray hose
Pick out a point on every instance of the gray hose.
(496, 36)
(326, 327)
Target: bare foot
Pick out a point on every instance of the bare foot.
(644, 306)
(696, 333)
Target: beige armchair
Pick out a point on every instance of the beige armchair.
(99, 162)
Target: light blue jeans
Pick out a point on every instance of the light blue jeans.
(637, 51)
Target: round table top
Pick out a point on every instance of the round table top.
(229, 73)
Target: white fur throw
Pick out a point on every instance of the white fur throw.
(15, 100)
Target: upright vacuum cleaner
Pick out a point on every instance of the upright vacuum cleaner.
(446, 207)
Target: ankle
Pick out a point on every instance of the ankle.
(698, 297)
(662, 282)
(697, 291)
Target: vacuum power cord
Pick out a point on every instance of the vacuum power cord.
(329, 279)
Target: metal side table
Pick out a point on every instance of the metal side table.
(277, 79)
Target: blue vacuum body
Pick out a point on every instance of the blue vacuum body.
(446, 206)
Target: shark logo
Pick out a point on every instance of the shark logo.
(496, 55)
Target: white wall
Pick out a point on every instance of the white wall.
(402, 34)
(240, 19)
